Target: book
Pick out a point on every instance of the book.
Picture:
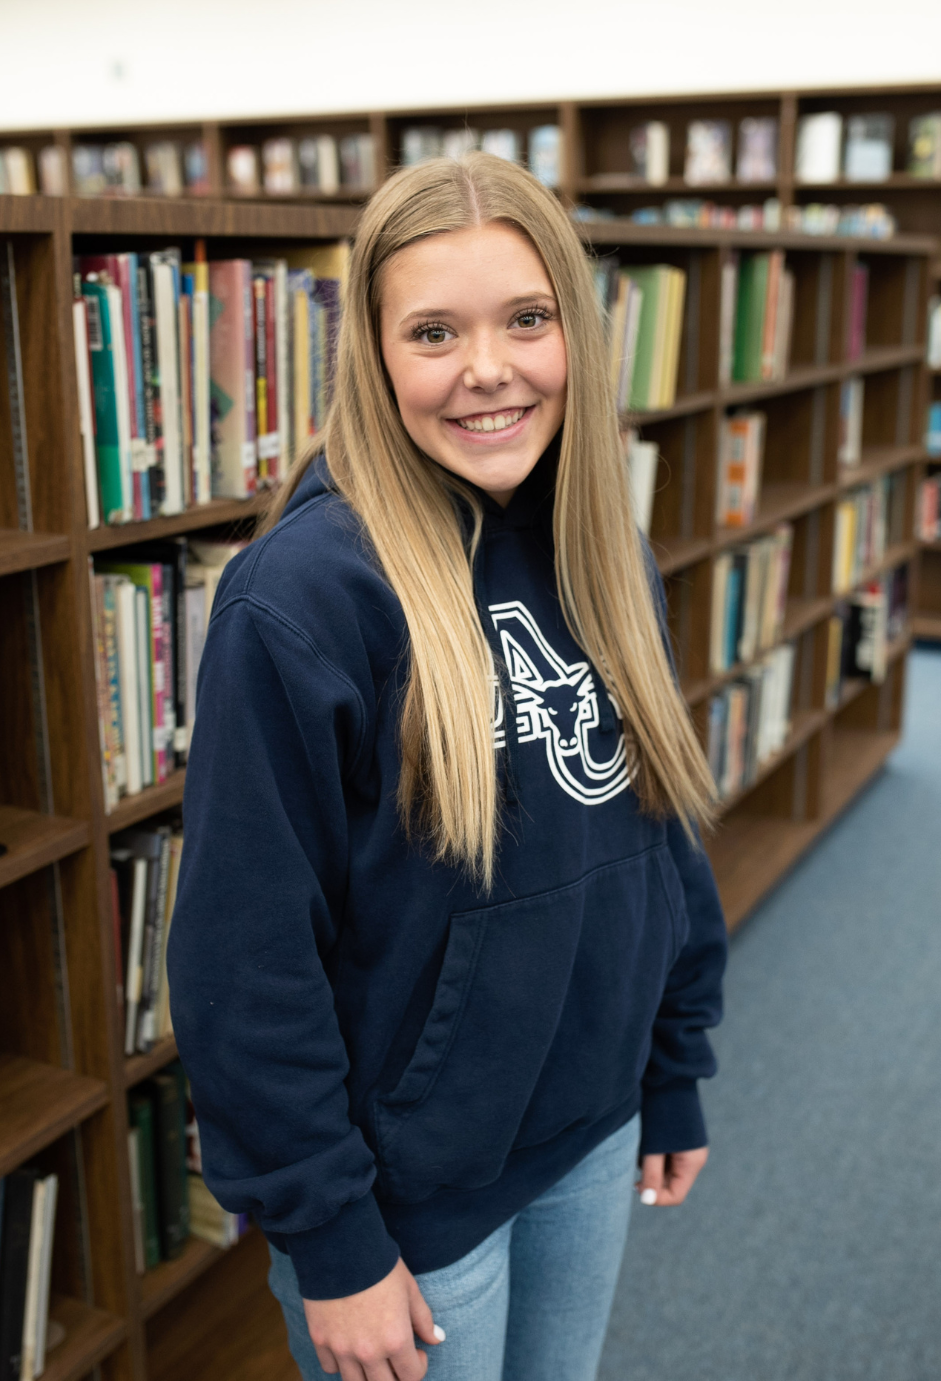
(741, 452)
(708, 152)
(654, 376)
(728, 300)
(242, 169)
(859, 301)
(924, 145)
(650, 152)
(933, 334)
(170, 1162)
(53, 171)
(209, 1220)
(642, 460)
(928, 509)
(114, 462)
(232, 373)
(749, 720)
(819, 138)
(545, 154)
(19, 1186)
(357, 154)
(318, 164)
(757, 154)
(867, 156)
(86, 416)
(154, 685)
(165, 270)
(279, 166)
(38, 1271)
(141, 1118)
(420, 142)
(198, 272)
(164, 164)
(749, 599)
(852, 392)
(137, 1202)
(933, 429)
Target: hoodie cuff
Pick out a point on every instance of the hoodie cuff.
(671, 1119)
(349, 1253)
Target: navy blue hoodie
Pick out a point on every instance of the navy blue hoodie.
(383, 1060)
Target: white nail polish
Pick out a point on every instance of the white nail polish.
(648, 1196)
(439, 1333)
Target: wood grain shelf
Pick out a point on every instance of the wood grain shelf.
(617, 230)
(927, 627)
(673, 553)
(34, 841)
(130, 810)
(777, 504)
(91, 1335)
(24, 551)
(211, 514)
(209, 218)
(804, 725)
(164, 1282)
(40, 1102)
(628, 182)
(800, 615)
(877, 461)
(138, 1067)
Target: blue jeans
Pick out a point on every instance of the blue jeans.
(531, 1303)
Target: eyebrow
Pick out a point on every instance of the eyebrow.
(422, 312)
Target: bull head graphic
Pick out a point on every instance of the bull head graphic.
(557, 702)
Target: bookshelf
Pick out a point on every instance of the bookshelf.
(207, 1313)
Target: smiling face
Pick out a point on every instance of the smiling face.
(473, 345)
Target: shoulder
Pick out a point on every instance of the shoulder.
(315, 575)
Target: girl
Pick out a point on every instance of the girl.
(446, 943)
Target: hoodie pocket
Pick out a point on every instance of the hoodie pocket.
(541, 1019)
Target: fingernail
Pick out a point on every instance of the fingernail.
(648, 1196)
(439, 1333)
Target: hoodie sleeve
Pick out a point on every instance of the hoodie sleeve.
(671, 1114)
(253, 938)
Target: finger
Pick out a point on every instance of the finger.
(327, 1360)
(350, 1370)
(650, 1184)
(408, 1364)
(422, 1320)
(682, 1170)
(379, 1371)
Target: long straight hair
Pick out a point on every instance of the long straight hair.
(448, 787)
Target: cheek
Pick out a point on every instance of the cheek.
(547, 369)
(421, 386)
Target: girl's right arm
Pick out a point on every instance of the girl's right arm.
(262, 881)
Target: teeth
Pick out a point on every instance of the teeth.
(495, 423)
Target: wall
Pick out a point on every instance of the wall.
(88, 61)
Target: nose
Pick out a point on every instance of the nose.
(487, 367)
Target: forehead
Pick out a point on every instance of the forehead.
(492, 260)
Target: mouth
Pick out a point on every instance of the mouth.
(486, 425)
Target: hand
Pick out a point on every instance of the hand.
(370, 1335)
(670, 1177)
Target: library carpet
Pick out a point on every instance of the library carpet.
(810, 1249)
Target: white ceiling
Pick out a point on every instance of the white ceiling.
(108, 61)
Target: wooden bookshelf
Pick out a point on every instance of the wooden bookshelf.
(208, 1313)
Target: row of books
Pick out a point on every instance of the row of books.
(200, 380)
(150, 611)
(170, 1201)
(860, 630)
(541, 147)
(749, 721)
(860, 533)
(872, 220)
(643, 311)
(861, 148)
(145, 868)
(27, 1229)
(749, 599)
(756, 316)
(708, 151)
(317, 163)
(928, 510)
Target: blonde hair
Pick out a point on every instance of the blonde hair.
(448, 784)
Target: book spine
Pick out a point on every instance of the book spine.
(170, 1165)
(107, 443)
(140, 1113)
(14, 1260)
(86, 410)
(147, 1024)
(202, 439)
(186, 389)
(271, 358)
(150, 376)
(109, 785)
(261, 375)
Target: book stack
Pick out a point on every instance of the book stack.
(750, 720)
(150, 611)
(208, 1219)
(647, 377)
(859, 535)
(741, 453)
(757, 155)
(543, 146)
(749, 599)
(315, 164)
(650, 152)
(27, 1226)
(145, 866)
(17, 172)
(852, 396)
(928, 511)
(861, 629)
(868, 153)
(859, 308)
(756, 313)
(202, 380)
(708, 152)
(157, 1156)
(924, 145)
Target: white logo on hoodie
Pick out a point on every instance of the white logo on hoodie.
(556, 701)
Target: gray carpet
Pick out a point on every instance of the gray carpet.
(811, 1248)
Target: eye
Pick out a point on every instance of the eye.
(432, 333)
(530, 318)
